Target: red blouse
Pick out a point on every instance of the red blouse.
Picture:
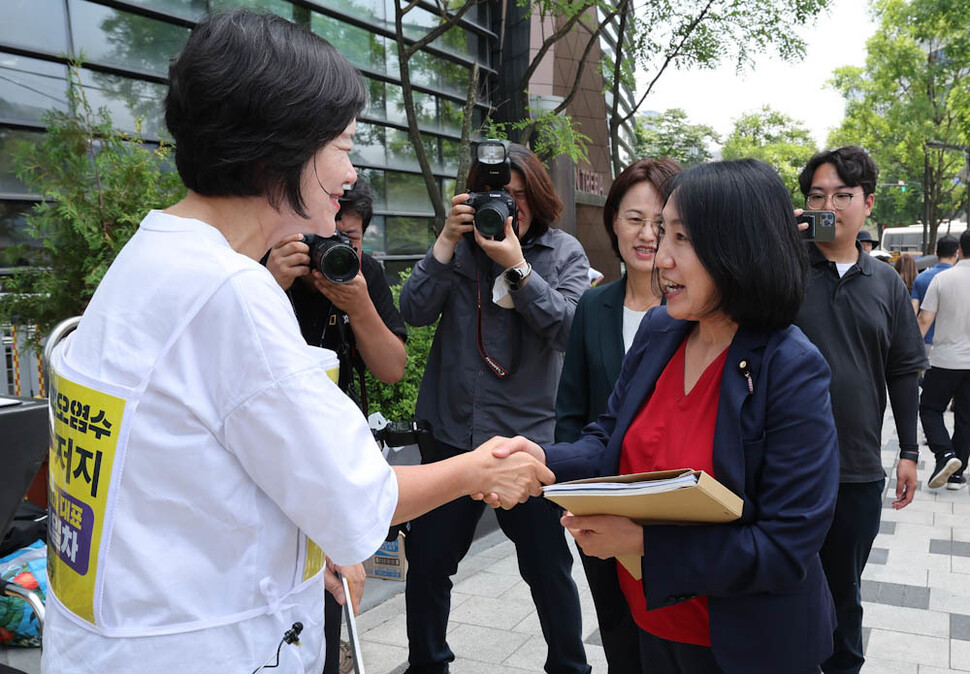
(673, 430)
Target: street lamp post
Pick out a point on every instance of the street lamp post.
(965, 149)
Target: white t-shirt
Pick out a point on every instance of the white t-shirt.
(949, 297)
(631, 323)
(234, 443)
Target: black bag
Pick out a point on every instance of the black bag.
(29, 523)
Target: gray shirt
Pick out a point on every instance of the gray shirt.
(463, 399)
(949, 298)
(864, 325)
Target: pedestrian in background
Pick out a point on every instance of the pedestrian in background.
(905, 266)
(947, 248)
(857, 313)
(947, 305)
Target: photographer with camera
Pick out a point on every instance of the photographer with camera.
(356, 319)
(505, 296)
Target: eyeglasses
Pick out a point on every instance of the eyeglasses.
(840, 201)
(634, 221)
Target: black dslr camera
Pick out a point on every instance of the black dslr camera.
(333, 256)
(492, 208)
(821, 225)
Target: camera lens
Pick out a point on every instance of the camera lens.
(340, 264)
(490, 219)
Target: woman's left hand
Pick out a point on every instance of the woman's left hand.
(605, 536)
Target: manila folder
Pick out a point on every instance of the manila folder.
(707, 501)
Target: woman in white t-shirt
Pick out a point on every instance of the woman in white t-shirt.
(604, 325)
(201, 456)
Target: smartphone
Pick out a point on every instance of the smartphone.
(821, 225)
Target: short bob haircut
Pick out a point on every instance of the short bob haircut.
(657, 172)
(739, 218)
(540, 193)
(853, 164)
(252, 97)
(358, 199)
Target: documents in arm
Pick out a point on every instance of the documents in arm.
(681, 496)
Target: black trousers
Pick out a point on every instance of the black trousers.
(439, 540)
(844, 555)
(619, 633)
(333, 616)
(939, 387)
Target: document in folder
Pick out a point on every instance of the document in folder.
(681, 496)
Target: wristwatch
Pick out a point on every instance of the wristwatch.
(516, 276)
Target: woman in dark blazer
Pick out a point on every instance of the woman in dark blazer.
(720, 380)
(605, 322)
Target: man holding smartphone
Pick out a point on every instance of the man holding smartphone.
(857, 312)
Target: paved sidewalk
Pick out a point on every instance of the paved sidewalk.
(916, 591)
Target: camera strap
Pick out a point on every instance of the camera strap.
(498, 370)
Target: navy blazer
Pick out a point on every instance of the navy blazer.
(775, 446)
(593, 358)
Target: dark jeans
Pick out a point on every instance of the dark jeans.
(618, 631)
(844, 554)
(333, 616)
(660, 656)
(939, 387)
(439, 540)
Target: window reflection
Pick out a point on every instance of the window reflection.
(361, 47)
(30, 88)
(37, 24)
(187, 9)
(409, 235)
(17, 247)
(374, 178)
(281, 7)
(374, 236)
(127, 40)
(368, 144)
(10, 141)
(400, 150)
(406, 192)
(136, 106)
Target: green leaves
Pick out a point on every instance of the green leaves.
(912, 89)
(397, 401)
(97, 185)
(671, 135)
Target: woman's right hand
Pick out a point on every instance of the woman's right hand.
(288, 260)
(460, 221)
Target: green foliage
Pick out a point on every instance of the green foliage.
(397, 401)
(97, 185)
(553, 135)
(912, 89)
(774, 138)
(670, 134)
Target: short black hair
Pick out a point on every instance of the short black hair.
(358, 199)
(965, 243)
(740, 220)
(853, 164)
(251, 99)
(946, 246)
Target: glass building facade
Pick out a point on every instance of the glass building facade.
(125, 47)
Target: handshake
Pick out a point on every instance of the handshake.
(509, 471)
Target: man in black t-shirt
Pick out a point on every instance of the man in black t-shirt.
(357, 320)
(857, 312)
